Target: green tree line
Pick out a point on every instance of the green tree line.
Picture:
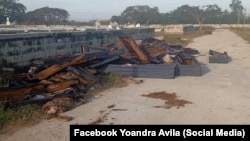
(185, 14)
(143, 14)
(16, 12)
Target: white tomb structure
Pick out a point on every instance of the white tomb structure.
(7, 21)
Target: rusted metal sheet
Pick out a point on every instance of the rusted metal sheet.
(69, 76)
(97, 55)
(67, 58)
(83, 73)
(179, 48)
(61, 85)
(104, 62)
(54, 69)
(133, 47)
(13, 95)
(54, 60)
(153, 52)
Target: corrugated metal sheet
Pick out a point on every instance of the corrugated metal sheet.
(190, 70)
(217, 57)
(164, 71)
(222, 59)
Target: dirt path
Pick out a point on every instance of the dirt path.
(220, 96)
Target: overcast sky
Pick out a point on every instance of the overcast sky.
(84, 10)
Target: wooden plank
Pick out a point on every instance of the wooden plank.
(104, 62)
(61, 85)
(71, 75)
(13, 95)
(132, 46)
(54, 69)
(83, 73)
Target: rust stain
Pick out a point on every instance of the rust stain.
(170, 98)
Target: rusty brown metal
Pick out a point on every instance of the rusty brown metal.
(61, 85)
(13, 95)
(133, 47)
(155, 51)
(54, 69)
(71, 75)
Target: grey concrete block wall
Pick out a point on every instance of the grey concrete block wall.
(20, 49)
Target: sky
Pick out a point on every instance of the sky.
(85, 10)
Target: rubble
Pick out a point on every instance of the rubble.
(162, 60)
(217, 57)
(58, 82)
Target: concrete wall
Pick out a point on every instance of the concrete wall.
(22, 48)
(179, 29)
(227, 25)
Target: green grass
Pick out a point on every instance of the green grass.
(12, 119)
(244, 33)
(106, 81)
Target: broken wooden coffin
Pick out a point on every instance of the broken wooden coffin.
(164, 71)
(188, 65)
(132, 49)
(54, 69)
(217, 57)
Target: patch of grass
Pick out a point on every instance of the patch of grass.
(244, 33)
(183, 39)
(106, 81)
(14, 118)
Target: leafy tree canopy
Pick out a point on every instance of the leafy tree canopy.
(11, 9)
(142, 14)
(46, 16)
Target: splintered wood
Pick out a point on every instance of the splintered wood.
(171, 99)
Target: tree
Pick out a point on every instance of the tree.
(226, 18)
(11, 9)
(210, 13)
(237, 9)
(213, 14)
(46, 16)
(142, 14)
(117, 19)
(181, 16)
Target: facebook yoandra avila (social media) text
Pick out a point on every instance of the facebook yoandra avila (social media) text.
(212, 132)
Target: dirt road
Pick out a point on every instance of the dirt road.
(220, 96)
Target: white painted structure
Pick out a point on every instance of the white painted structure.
(7, 21)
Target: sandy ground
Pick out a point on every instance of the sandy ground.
(220, 96)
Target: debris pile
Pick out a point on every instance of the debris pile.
(153, 58)
(62, 80)
(48, 79)
(217, 57)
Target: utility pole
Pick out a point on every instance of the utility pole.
(244, 17)
(238, 20)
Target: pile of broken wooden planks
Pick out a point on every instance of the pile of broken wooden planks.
(48, 77)
(217, 57)
(71, 75)
(152, 58)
